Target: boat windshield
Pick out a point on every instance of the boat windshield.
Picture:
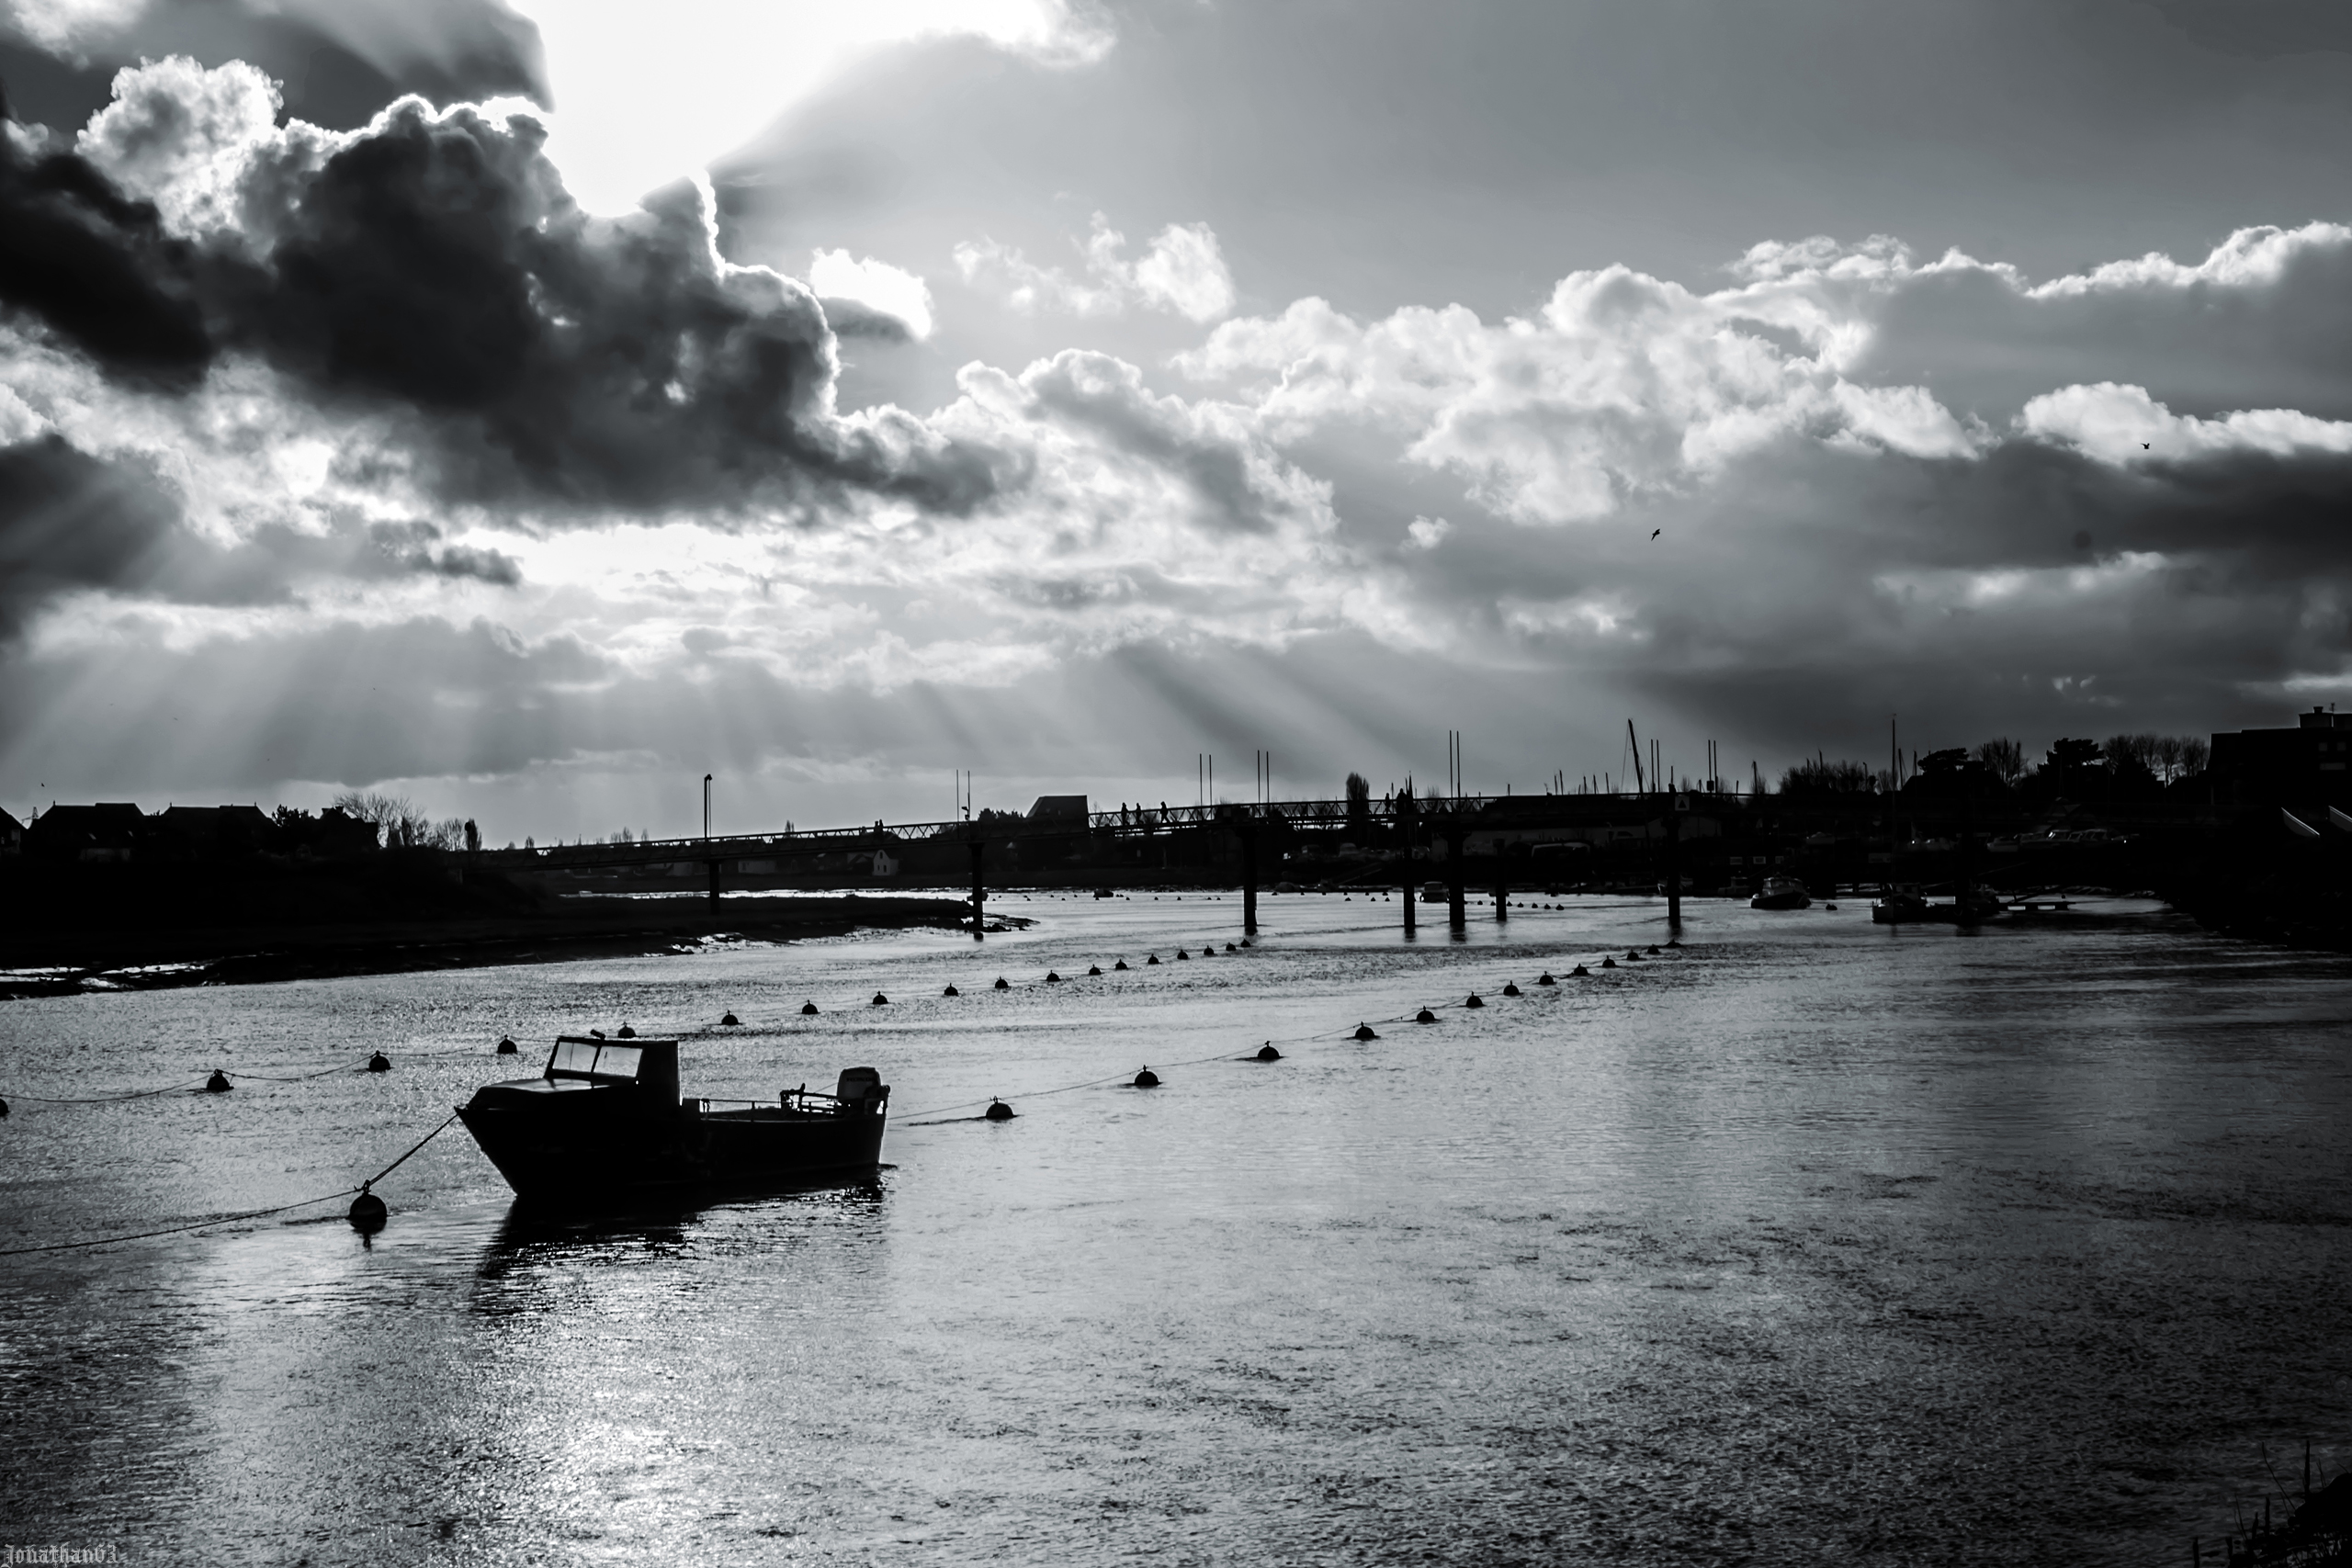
(595, 1059)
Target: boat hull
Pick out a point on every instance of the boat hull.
(599, 1145)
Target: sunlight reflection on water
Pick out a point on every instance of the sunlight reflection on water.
(1813, 1241)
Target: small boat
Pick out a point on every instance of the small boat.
(604, 1120)
(1433, 893)
(1781, 893)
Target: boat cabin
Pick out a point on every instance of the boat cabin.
(650, 1065)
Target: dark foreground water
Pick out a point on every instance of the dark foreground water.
(1811, 1242)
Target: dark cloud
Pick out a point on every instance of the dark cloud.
(96, 268)
(436, 266)
(68, 521)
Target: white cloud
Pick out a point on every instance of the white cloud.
(2123, 425)
(1182, 270)
(70, 25)
(877, 285)
(1426, 532)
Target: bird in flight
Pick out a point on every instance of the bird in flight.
(2144, 447)
(1655, 532)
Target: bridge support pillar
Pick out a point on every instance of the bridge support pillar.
(714, 885)
(1502, 887)
(1673, 867)
(979, 887)
(1250, 879)
(1457, 914)
(1405, 842)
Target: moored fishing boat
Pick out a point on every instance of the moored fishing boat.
(604, 1119)
(1781, 893)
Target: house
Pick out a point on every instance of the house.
(1059, 806)
(12, 835)
(212, 832)
(110, 832)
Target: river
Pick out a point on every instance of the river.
(1807, 1242)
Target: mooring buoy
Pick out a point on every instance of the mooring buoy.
(808, 1009)
(997, 1110)
(1230, 948)
(1632, 957)
(1545, 978)
(1092, 969)
(1363, 1032)
(1003, 984)
(879, 1001)
(367, 1210)
(730, 1021)
(1052, 978)
(1605, 964)
(1677, 942)
(1267, 1052)
(1510, 988)
(1653, 950)
(1425, 1016)
(1474, 1000)
(1180, 953)
(951, 991)
(1121, 964)
(506, 1046)
(1244, 941)
(627, 1032)
(379, 1063)
(4, 1111)
(1147, 1079)
(218, 1083)
(1153, 958)
(1579, 969)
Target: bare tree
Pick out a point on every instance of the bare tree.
(1358, 801)
(2005, 759)
(2167, 757)
(2196, 755)
(1821, 776)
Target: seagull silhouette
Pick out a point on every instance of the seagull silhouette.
(2144, 447)
(1655, 532)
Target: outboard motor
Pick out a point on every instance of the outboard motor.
(861, 1091)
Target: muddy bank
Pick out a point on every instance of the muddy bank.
(95, 960)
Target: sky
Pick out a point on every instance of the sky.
(531, 409)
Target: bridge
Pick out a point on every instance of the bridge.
(1404, 820)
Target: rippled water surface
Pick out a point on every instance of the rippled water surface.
(1810, 1242)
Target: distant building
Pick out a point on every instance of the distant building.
(107, 833)
(2309, 765)
(12, 835)
(1055, 807)
(884, 864)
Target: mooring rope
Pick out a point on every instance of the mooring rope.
(233, 1219)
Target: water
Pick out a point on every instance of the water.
(1812, 1242)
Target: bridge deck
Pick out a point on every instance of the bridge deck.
(1138, 821)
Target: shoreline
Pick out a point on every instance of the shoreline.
(81, 965)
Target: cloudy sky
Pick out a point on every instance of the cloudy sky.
(532, 410)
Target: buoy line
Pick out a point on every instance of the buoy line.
(174, 1230)
(109, 1098)
(361, 1190)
